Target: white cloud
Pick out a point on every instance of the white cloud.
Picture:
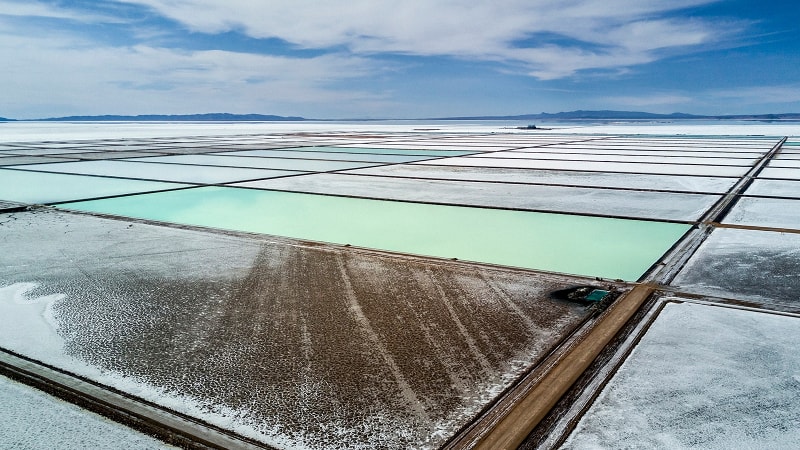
(53, 70)
(25, 8)
(62, 75)
(658, 34)
(615, 33)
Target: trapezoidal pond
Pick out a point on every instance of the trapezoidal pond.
(583, 245)
(45, 187)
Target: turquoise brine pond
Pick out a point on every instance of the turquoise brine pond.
(582, 245)
(44, 187)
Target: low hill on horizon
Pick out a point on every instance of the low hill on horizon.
(560, 116)
(210, 117)
(627, 115)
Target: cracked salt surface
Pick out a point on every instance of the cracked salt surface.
(778, 188)
(759, 267)
(765, 212)
(702, 377)
(295, 346)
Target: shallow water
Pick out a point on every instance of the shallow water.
(159, 171)
(591, 246)
(42, 187)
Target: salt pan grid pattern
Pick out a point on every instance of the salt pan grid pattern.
(327, 333)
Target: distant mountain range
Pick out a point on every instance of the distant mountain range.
(561, 116)
(627, 115)
(210, 117)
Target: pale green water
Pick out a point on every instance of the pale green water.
(160, 171)
(593, 246)
(43, 187)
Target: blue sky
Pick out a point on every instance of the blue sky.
(390, 59)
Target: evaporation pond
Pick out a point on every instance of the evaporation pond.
(45, 187)
(584, 245)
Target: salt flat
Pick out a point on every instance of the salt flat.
(329, 285)
(702, 377)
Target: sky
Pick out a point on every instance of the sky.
(331, 59)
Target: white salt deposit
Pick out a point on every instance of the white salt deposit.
(27, 324)
(702, 377)
(31, 419)
(766, 212)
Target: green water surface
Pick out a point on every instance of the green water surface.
(583, 245)
(43, 187)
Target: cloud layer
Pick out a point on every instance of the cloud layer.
(605, 34)
(359, 58)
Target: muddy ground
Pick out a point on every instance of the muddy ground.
(288, 342)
